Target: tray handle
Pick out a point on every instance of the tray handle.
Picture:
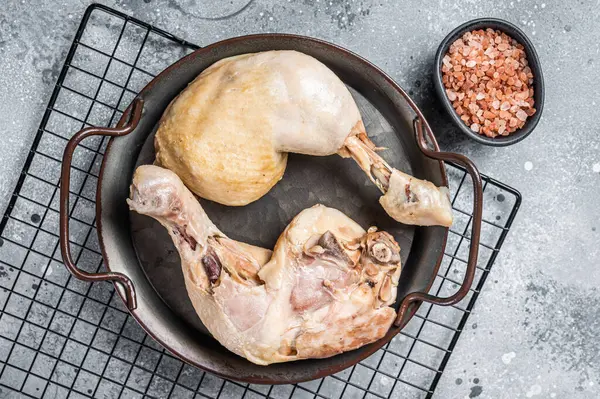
(475, 228)
(65, 247)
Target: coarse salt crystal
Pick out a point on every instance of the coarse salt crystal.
(471, 64)
(521, 115)
(522, 95)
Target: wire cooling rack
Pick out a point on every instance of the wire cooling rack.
(61, 337)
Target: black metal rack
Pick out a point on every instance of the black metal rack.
(61, 337)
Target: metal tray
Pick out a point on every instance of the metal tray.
(143, 261)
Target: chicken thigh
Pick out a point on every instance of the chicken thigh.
(228, 133)
(326, 288)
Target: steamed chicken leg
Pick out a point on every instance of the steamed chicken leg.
(228, 133)
(326, 287)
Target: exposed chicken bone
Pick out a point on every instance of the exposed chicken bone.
(406, 199)
(362, 150)
(381, 252)
(382, 247)
(332, 247)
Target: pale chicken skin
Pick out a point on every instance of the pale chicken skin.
(227, 135)
(326, 288)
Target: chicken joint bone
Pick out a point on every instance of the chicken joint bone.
(381, 252)
(382, 247)
(362, 150)
(332, 246)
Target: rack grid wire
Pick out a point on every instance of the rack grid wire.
(61, 337)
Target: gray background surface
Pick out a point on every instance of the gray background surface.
(535, 329)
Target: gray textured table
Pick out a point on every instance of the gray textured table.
(534, 332)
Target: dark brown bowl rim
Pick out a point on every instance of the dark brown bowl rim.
(368, 350)
(534, 63)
